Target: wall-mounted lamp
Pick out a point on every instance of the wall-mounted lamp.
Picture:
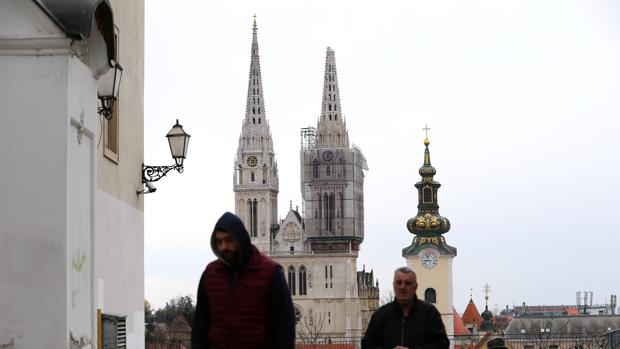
(178, 140)
(107, 90)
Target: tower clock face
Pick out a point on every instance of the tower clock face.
(252, 161)
(429, 260)
(328, 156)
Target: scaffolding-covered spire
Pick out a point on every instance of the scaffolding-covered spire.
(331, 129)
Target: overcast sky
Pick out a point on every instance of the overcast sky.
(522, 98)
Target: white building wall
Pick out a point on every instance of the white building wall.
(119, 260)
(66, 247)
(33, 200)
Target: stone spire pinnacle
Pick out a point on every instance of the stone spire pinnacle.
(255, 107)
(331, 129)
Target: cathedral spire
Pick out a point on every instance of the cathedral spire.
(255, 179)
(255, 107)
(331, 129)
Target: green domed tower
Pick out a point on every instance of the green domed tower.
(429, 255)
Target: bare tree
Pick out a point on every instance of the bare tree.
(311, 327)
(387, 298)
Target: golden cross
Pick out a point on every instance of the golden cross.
(487, 288)
(426, 128)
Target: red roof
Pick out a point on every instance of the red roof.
(471, 315)
(459, 327)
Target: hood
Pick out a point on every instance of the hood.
(233, 224)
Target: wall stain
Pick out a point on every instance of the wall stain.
(81, 342)
(9, 345)
(78, 262)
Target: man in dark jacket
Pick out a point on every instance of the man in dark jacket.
(243, 299)
(407, 322)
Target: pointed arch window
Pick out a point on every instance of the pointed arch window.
(291, 279)
(329, 207)
(328, 170)
(252, 217)
(430, 295)
(252, 176)
(302, 281)
(315, 168)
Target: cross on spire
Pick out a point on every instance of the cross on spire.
(487, 289)
(426, 129)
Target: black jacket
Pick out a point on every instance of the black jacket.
(421, 329)
(281, 311)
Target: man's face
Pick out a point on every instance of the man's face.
(227, 246)
(405, 286)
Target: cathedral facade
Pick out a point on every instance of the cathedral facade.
(318, 248)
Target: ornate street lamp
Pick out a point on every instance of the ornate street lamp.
(178, 140)
(108, 88)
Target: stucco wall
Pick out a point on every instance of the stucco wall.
(33, 186)
(122, 179)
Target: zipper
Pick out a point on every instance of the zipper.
(402, 332)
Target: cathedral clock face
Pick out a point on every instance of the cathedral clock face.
(328, 156)
(252, 161)
(429, 260)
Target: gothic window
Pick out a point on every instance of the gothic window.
(330, 117)
(320, 205)
(315, 168)
(291, 279)
(341, 204)
(254, 112)
(252, 176)
(336, 117)
(292, 249)
(326, 280)
(252, 217)
(331, 276)
(259, 113)
(302, 280)
(430, 295)
(330, 107)
(328, 170)
(328, 209)
(336, 108)
(253, 119)
(427, 195)
(255, 218)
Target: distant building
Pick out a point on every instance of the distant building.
(471, 317)
(318, 248)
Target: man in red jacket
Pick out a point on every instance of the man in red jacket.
(243, 299)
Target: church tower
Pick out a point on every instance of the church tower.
(429, 255)
(332, 177)
(256, 171)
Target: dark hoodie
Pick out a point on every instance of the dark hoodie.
(281, 311)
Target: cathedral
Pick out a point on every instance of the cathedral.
(318, 248)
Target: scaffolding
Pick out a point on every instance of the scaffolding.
(308, 136)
